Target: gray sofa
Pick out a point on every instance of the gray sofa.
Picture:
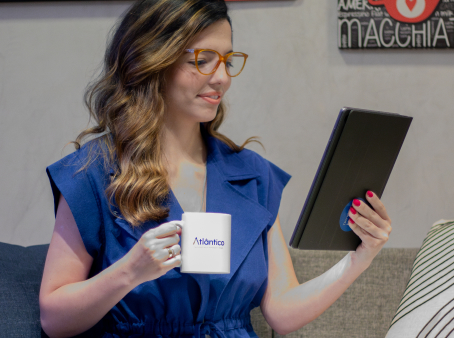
(365, 310)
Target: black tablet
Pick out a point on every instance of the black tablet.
(360, 155)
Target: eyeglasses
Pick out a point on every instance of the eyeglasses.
(207, 61)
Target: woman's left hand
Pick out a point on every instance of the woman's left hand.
(373, 226)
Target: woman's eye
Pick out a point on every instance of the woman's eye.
(199, 62)
(229, 64)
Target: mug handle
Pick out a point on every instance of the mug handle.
(377, 2)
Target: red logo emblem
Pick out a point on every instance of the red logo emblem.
(410, 11)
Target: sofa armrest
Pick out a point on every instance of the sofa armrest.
(20, 279)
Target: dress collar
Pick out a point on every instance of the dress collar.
(231, 166)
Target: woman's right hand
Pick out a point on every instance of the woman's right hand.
(149, 258)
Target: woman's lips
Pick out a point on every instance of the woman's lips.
(211, 100)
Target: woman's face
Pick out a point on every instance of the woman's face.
(189, 95)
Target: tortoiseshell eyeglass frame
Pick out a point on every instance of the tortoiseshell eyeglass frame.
(221, 59)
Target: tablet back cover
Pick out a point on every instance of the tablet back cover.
(362, 159)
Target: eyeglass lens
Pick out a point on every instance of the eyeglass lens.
(207, 60)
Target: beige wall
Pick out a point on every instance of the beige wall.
(295, 82)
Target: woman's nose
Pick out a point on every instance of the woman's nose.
(220, 75)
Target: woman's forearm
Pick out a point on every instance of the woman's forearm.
(287, 305)
(301, 304)
(76, 307)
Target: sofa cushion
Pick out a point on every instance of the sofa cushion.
(20, 279)
(427, 306)
(367, 307)
(261, 327)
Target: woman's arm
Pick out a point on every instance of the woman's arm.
(287, 306)
(69, 302)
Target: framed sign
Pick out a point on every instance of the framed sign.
(108, 0)
(413, 24)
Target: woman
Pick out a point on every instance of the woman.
(112, 266)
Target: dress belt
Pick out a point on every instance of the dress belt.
(206, 330)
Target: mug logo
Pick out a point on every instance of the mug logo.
(410, 11)
(205, 241)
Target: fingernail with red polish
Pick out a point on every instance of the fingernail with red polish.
(370, 194)
(353, 222)
(356, 202)
(353, 210)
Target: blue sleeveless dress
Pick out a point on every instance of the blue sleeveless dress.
(242, 184)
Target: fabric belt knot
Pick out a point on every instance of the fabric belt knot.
(208, 328)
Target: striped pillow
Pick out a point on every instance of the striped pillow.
(427, 306)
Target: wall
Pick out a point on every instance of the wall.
(290, 92)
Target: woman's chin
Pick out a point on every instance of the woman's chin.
(207, 117)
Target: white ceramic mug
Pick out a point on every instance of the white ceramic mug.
(205, 243)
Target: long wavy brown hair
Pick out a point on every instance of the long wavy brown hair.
(127, 104)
